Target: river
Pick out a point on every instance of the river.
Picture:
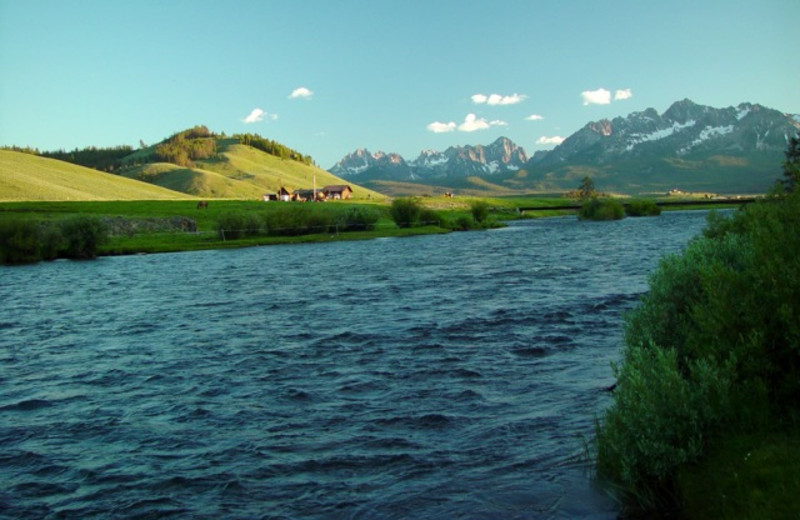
(449, 376)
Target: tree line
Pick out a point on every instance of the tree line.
(104, 159)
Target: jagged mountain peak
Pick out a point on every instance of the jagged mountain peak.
(456, 161)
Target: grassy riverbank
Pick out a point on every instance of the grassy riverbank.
(156, 226)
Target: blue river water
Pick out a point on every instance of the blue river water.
(454, 376)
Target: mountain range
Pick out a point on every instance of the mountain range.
(690, 147)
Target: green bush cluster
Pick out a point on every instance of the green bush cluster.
(601, 209)
(642, 208)
(26, 241)
(408, 212)
(296, 220)
(714, 347)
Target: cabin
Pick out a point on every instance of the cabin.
(337, 192)
(269, 196)
(308, 195)
(284, 194)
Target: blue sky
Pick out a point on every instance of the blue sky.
(328, 77)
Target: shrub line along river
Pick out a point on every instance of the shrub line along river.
(427, 377)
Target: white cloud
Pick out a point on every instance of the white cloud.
(440, 128)
(301, 93)
(534, 117)
(497, 99)
(556, 139)
(623, 94)
(600, 96)
(471, 124)
(255, 116)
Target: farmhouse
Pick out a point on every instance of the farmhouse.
(308, 195)
(336, 192)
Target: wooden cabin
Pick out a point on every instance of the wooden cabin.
(338, 192)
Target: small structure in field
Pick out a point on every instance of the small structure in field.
(308, 195)
(338, 192)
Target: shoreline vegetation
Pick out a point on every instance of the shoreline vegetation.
(111, 228)
(705, 418)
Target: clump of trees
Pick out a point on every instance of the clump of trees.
(713, 348)
(601, 209)
(104, 159)
(273, 148)
(187, 146)
(642, 208)
(409, 212)
(296, 220)
(27, 241)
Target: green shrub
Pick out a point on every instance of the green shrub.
(358, 219)
(714, 347)
(642, 208)
(298, 219)
(479, 210)
(601, 209)
(81, 236)
(231, 226)
(20, 242)
(429, 217)
(406, 212)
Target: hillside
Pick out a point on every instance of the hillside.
(235, 171)
(29, 177)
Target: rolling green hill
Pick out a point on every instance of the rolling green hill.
(29, 177)
(236, 171)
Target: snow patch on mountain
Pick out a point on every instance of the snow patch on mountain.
(658, 134)
(706, 134)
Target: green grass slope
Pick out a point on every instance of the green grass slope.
(240, 172)
(29, 177)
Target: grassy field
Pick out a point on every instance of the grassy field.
(29, 177)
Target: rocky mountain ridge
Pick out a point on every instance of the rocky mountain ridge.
(503, 155)
(688, 146)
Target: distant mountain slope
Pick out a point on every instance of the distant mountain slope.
(29, 177)
(689, 146)
(238, 171)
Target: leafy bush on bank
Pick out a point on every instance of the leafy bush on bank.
(642, 208)
(27, 241)
(714, 347)
(406, 212)
(601, 209)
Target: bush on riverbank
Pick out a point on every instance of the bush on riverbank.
(601, 209)
(642, 208)
(713, 350)
(27, 241)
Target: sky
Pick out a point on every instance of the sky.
(328, 77)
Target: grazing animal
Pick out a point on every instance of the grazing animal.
(203, 204)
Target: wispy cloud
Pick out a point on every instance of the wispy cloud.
(600, 96)
(301, 93)
(623, 94)
(497, 99)
(534, 117)
(556, 139)
(257, 115)
(471, 123)
(441, 128)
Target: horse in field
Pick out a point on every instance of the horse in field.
(203, 204)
